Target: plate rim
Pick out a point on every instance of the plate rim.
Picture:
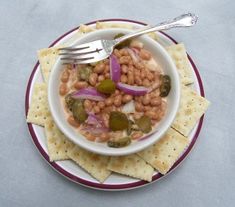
(101, 186)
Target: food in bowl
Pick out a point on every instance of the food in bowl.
(118, 100)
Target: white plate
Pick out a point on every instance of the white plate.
(72, 171)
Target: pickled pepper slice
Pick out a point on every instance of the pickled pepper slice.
(125, 141)
(118, 121)
(69, 101)
(106, 86)
(144, 124)
(79, 112)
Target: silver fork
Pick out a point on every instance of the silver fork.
(100, 49)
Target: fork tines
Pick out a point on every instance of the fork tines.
(73, 48)
(77, 55)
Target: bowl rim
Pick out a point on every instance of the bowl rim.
(126, 150)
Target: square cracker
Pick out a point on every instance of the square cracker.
(104, 25)
(131, 165)
(192, 107)
(179, 56)
(83, 29)
(47, 58)
(163, 154)
(57, 143)
(38, 111)
(94, 164)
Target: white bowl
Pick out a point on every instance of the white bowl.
(160, 54)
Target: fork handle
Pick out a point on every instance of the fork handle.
(184, 20)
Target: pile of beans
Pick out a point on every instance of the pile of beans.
(132, 73)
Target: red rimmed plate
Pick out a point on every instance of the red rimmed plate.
(72, 171)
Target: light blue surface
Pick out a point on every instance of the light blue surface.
(206, 178)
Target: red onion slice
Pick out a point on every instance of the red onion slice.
(94, 124)
(115, 69)
(88, 93)
(92, 119)
(133, 53)
(135, 50)
(132, 90)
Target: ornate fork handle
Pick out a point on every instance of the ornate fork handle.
(184, 20)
